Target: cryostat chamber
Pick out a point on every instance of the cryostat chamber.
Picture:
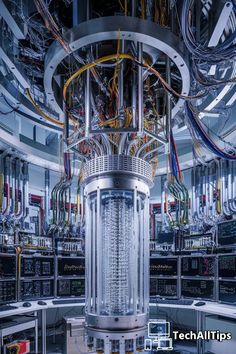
(116, 190)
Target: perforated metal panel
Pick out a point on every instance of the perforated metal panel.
(118, 163)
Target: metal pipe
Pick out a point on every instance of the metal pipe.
(7, 185)
(99, 146)
(87, 103)
(224, 202)
(132, 142)
(140, 90)
(149, 153)
(210, 191)
(2, 168)
(122, 143)
(121, 84)
(143, 147)
(80, 11)
(168, 102)
(46, 199)
(205, 211)
(19, 194)
(199, 215)
(25, 189)
(11, 185)
(234, 183)
(156, 137)
(162, 202)
(134, 8)
(193, 181)
(219, 206)
(107, 144)
(231, 201)
(134, 98)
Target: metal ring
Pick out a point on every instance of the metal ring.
(107, 28)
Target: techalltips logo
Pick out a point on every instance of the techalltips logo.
(159, 337)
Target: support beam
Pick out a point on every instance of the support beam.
(17, 28)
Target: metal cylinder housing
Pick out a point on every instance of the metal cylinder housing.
(116, 190)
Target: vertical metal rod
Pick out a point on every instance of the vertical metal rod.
(67, 123)
(55, 274)
(93, 243)
(44, 337)
(121, 83)
(168, 103)
(88, 10)
(163, 202)
(134, 98)
(136, 239)
(146, 257)
(99, 251)
(134, 7)
(88, 267)
(36, 334)
(80, 11)
(87, 103)
(141, 245)
(47, 199)
(140, 89)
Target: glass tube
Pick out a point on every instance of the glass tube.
(117, 252)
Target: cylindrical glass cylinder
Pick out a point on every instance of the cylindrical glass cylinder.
(116, 195)
(117, 229)
(117, 251)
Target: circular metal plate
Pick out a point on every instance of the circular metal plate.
(108, 28)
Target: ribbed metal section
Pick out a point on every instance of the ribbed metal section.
(112, 164)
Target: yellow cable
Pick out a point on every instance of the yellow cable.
(92, 65)
(122, 7)
(143, 9)
(44, 115)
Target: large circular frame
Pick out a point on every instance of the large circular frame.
(108, 28)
